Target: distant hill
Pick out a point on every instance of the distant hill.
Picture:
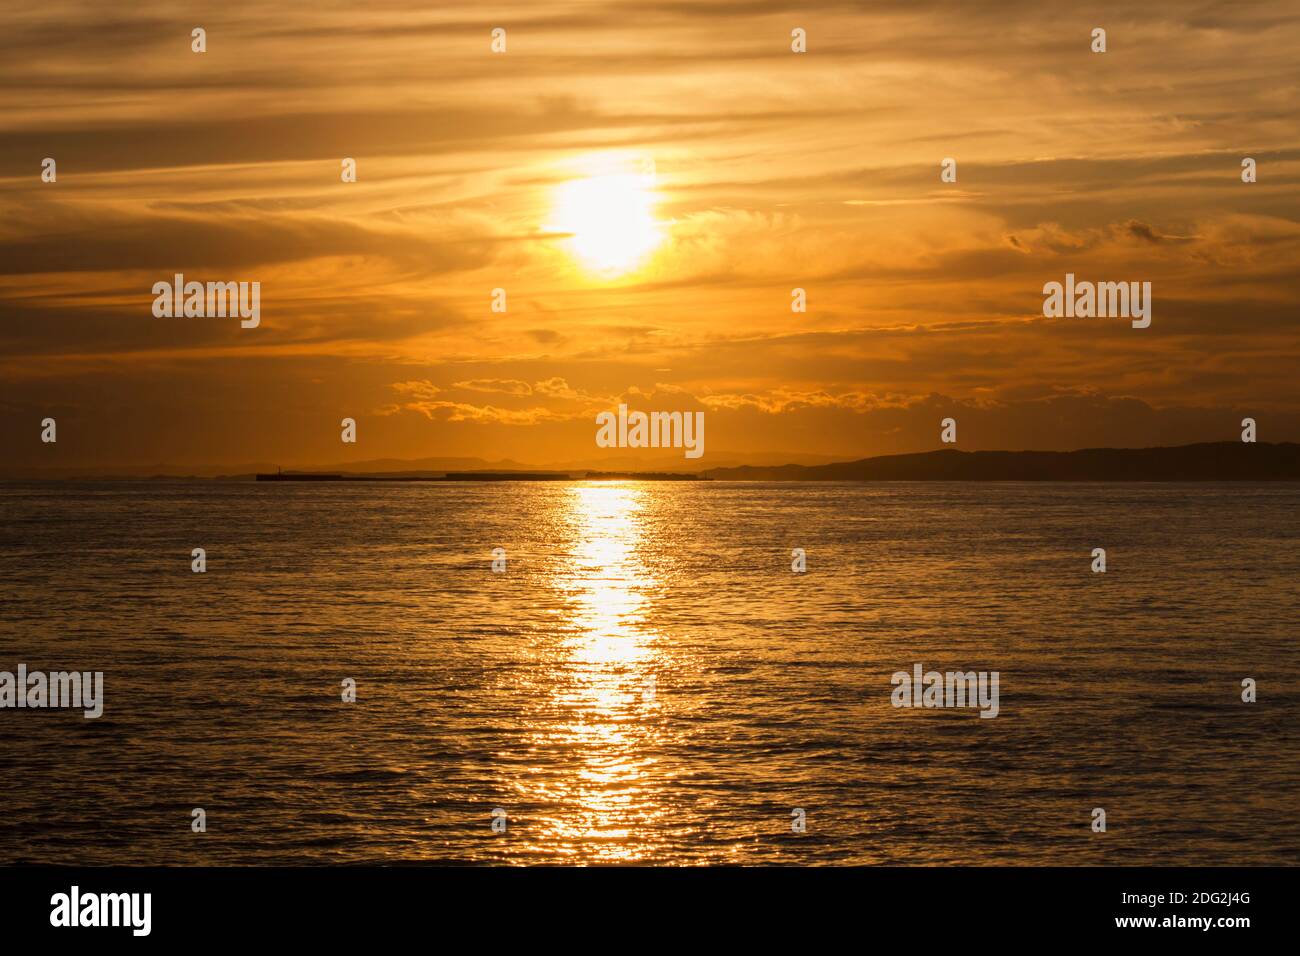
(1210, 461)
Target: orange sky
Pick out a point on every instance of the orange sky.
(771, 170)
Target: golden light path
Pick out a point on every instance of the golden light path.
(610, 718)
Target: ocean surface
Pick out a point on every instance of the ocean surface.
(648, 681)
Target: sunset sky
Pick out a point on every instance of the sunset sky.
(648, 181)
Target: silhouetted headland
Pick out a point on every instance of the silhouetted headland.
(1210, 461)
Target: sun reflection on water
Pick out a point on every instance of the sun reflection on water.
(605, 719)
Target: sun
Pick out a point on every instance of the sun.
(610, 221)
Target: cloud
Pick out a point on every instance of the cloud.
(1148, 233)
(504, 386)
(462, 412)
(421, 390)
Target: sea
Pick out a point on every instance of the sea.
(634, 672)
